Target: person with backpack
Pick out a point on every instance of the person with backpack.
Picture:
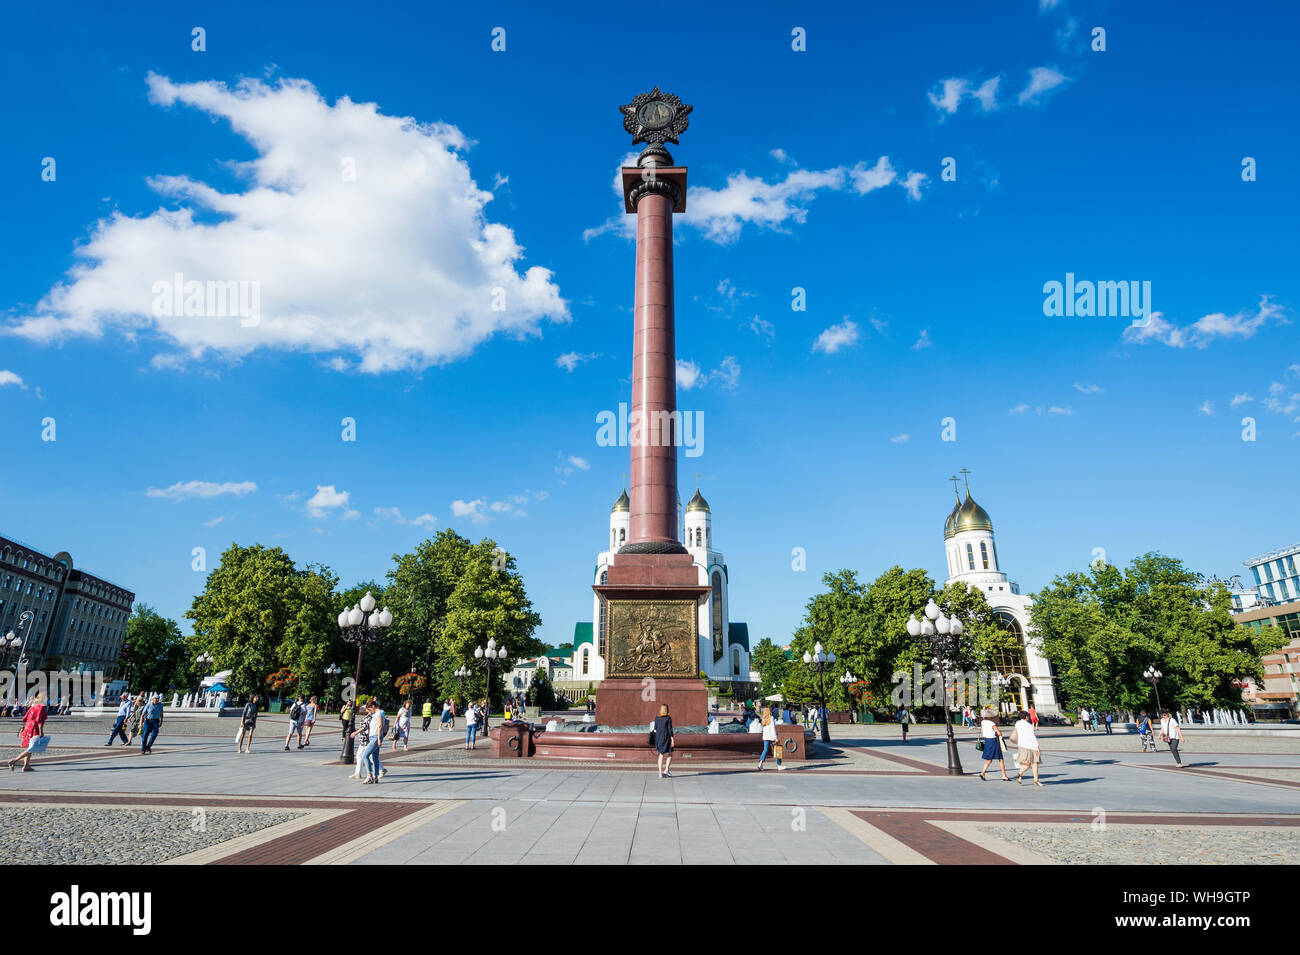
(248, 723)
(1109, 718)
(904, 718)
(1144, 731)
(296, 713)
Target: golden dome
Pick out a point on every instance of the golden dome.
(952, 516)
(697, 503)
(622, 504)
(969, 517)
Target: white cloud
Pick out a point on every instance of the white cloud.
(836, 337)
(1057, 409)
(214, 522)
(688, 375)
(912, 183)
(1207, 408)
(1042, 80)
(1293, 370)
(1088, 389)
(901, 438)
(326, 499)
(727, 374)
(398, 266)
(761, 326)
(780, 155)
(1019, 409)
(471, 509)
(923, 341)
(572, 359)
(582, 464)
(721, 214)
(394, 514)
(1206, 329)
(202, 489)
(879, 324)
(1280, 400)
(10, 378)
(947, 96)
(1241, 399)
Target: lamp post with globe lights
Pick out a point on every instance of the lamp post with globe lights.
(26, 618)
(362, 625)
(1154, 676)
(819, 660)
(202, 661)
(943, 636)
(332, 671)
(486, 659)
(847, 680)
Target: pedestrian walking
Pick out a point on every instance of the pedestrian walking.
(1024, 737)
(904, 718)
(295, 723)
(661, 736)
(1144, 731)
(769, 740)
(402, 727)
(152, 721)
(135, 722)
(992, 735)
(1033, 718)
(247, 723)
(32, 738)
(1083, 717)
(119, 725)
(345, 717)
(1109, 718)
(367, 737)
(309, 720)
(426, 712)
(471, 724)
(1172, 733)
(448, 721)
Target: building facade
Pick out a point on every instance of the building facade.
(973, 560)
(78, 619)
(1279, 697)
(1277, 575)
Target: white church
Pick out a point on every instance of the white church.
(724, 644)
(973, 560)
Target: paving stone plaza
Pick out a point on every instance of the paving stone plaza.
(868, 798)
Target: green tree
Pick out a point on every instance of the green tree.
(155, 655)
(1102, 628)
(771, 663)
(257, 612)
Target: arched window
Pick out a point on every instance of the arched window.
(735, 661)
(984, 554)
(622, 536)
(970, 556)
(585, 657)
(717, 616)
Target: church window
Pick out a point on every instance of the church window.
(622, 537)
(970, 556)
(585, 657)
(735, 662)
(984, 554)
(717, 616)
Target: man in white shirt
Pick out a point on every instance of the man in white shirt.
(123, 711)
(1083, 717)
(1028, 753)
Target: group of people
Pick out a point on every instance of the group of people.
(137, 717)
(1094, 720)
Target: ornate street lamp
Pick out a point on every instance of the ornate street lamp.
(847, 680)
(943, 636)
(10, 644)
(201, 662)
(331, 672)
(819, 660)
(12, 641)
(486, 659)
(1154, 676)
(362, 625)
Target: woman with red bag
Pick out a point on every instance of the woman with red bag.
(31, 735)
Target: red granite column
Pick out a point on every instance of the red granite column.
(654, 375)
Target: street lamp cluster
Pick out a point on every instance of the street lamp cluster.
(486, 658)
(943, 636)
(11, 641)
(1154, 676)
(819, 660)
(363, 625)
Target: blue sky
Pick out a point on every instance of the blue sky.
(823, 426)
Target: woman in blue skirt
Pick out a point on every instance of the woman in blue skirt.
(992, 734)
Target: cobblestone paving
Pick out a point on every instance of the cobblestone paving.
(80, 835)
(1142, 845)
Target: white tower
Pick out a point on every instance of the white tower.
(973, 560)
(620, 522)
